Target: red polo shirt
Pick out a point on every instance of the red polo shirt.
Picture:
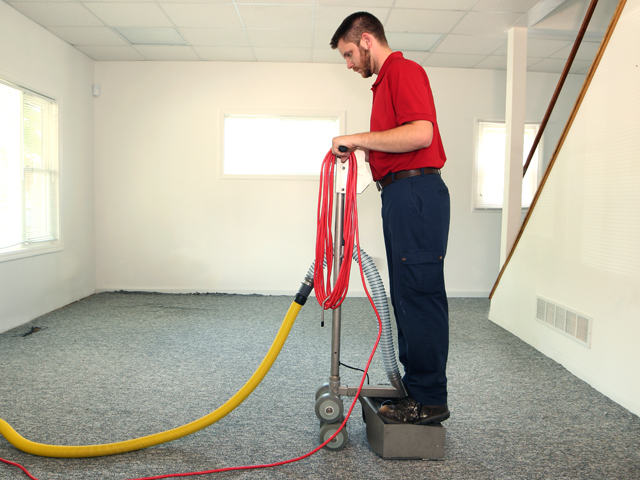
(401, 94)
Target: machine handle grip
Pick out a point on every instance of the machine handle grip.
(342, 148)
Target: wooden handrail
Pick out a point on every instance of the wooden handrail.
(563, 77)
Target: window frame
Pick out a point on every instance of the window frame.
(48, 246)
(340, 115)
(474, 177)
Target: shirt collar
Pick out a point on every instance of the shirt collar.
(385, 66)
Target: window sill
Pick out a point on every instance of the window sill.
(32, 251)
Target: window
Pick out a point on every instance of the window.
(489, 165)
(274, 145)
(28, 172)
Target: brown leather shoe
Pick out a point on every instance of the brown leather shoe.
(409, 410)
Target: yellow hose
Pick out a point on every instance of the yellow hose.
(79, 451)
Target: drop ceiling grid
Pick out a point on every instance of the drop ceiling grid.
(473, 31)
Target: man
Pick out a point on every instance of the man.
(405, 153)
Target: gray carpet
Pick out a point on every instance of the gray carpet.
(118, 366)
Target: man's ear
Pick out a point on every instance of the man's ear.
(366, 41)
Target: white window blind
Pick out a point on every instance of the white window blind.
(489, 165)
(28, 170)
(277, 145)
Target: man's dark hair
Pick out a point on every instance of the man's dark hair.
(352, 28)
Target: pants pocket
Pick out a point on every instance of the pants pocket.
(422, 271)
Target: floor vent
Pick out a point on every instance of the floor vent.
(566, 321)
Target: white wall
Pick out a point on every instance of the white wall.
(167, 222)
(33, 57)
(580, 248)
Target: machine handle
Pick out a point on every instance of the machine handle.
(342, 148)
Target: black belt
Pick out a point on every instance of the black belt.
(392, 177)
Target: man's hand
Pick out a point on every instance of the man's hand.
(343, 141)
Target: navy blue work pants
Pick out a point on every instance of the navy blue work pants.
(415, 220)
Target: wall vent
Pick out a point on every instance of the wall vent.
(570, 323)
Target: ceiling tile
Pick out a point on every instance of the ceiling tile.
(88, 35)
(100, 53)
(436, 4)
(181, 1)
(114, 1)
(470, 44)
(321, 39)
(518, 6)
(216, 37)
(226, 54)
(418, 57)
(567, 16)
(58, 14)
(420, 42)
(481, 23)
(330, 18)
(130, 14)
(422, 21)
(271, 2)
(556, 65)
(203, 15)
(453, 60)
(280, 38)
(366, 4)
(276, 16)
(167, 52)
(549, 65)
(493, 62)
(538, 47)
(587, 51)
(327, 56)
(288, 55)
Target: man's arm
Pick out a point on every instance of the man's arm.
(408, 137)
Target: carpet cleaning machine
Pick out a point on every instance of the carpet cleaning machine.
(392, 441)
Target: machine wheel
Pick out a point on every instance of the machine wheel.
(340, 440)
(329, 408)
(322, 390)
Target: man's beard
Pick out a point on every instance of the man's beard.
(366, 70)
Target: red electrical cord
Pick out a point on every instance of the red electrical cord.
(20, 467)
(327, 297)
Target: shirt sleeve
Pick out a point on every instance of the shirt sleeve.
(412, 97)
